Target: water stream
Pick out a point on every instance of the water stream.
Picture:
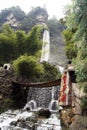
(53, 105)
(27, 118)
(31, 105)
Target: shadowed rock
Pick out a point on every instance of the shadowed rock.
(44, 113)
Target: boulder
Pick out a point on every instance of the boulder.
(44, 113)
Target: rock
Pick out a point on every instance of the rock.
(79, 123)
(33, 118)
(1, 96)
(44, 113)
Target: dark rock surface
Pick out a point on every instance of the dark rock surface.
(44, 113)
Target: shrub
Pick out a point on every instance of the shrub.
(27, 66)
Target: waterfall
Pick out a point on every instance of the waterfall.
(46, 46)
(61, 69)
(52, 93)
(30, 105)
(25, 120)
(53, 105)
(37, 97)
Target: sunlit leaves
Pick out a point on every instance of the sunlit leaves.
(34, 40)
(7, 45)
(16, 43)
(81, 70)
(71, 49)
(21, 42)
(27, 66)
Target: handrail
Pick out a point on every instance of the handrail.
(38, 84)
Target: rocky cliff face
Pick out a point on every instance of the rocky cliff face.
(57, 50)
(12, 21)
(40, 16)
(5, 89)
(11, 97)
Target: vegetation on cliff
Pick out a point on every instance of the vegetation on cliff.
(21, 44)
(29, 67)
(76, 41)
(16, 43)
(25, 23)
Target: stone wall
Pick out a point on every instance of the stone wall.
(5, 88)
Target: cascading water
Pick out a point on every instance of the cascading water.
(39, 94)
(26, 119)
(52, 93)
(45, 46)
(54, 103)
(30, 105)
(53, 123)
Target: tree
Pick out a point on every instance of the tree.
(28, 66)
(77, 18)
(50, 72)
(21, 42)
(7, 45)
(80, 20)
(70, 47)
(34, 40)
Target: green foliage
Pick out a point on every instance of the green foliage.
(82, 53)
(68, 35)
(34, 41)
(77, 18)
(81, 70)
(28, 66)
(7, 30)
(77, 15)
(71, 49)
(16, 43)
(84, 103)
(80, 9)
(7, 45)
(84, 87)
(50, 72)
(21, 42)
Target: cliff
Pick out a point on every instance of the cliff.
(18, 20)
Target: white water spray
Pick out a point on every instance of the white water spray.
(30, 105)
(46, 46)
(53, 105)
